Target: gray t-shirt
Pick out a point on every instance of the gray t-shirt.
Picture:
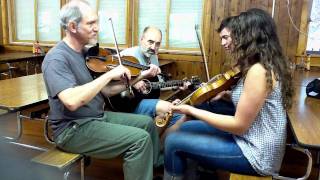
(264, 143)
(137, 53)
(65, 68)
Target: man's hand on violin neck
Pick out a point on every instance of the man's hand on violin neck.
(151, 72)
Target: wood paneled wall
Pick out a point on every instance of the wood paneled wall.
(293, 42)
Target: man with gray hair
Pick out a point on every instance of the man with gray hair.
(147, 102)
(77, 116)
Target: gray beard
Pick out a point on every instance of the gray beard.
(92, 42)
(146, 52)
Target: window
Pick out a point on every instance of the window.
(48, 27)
(183, 18)
(111, 10)
(175, 18)
(38, 20)
(24, 20)
(314, 28)
(116, 10)
(152, 13)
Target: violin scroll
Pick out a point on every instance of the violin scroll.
(162, 121)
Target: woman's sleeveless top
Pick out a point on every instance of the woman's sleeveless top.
(264, 143)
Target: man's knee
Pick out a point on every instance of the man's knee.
(139, 134)
(150, 125)
(143, 140)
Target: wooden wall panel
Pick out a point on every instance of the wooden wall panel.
(216, 52)
(283, 29)
(292, 42)
(293, 34)
(4, 27)
(305, 17)
(219, 61)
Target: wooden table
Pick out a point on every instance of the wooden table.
(22, 93)
(304, 116)
(10, 57)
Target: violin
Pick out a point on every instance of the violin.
(214, 86)
(100, 64)
(217, 84)
(100, 60)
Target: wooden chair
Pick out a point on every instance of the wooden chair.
(57, 158)
(234, 176)
(7, 70)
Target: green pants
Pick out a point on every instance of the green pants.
(134, 137)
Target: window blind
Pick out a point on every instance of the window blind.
(153, 13)
(183, 17)
(24, 20)
(48, 20)
(115, 9)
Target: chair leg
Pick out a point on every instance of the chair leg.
(309, 167)
(82, 168)
(66, 175)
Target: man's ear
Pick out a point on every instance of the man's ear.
(72, 27)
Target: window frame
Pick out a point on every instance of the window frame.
(12, 25)
(128, 30)
(310, 51)
(131, 36)
(204, 30)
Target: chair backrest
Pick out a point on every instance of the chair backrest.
(308, 169)
(47, 135)
(292, 144)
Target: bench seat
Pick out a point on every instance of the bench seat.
(60, 159)
(234, 176)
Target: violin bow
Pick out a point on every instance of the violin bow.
(204, 57)
(119, 58)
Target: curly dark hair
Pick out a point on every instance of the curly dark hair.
(255, 40)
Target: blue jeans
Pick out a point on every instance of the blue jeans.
(148, 107)
(207, 146)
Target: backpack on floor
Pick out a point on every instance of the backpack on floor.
(313, 88)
